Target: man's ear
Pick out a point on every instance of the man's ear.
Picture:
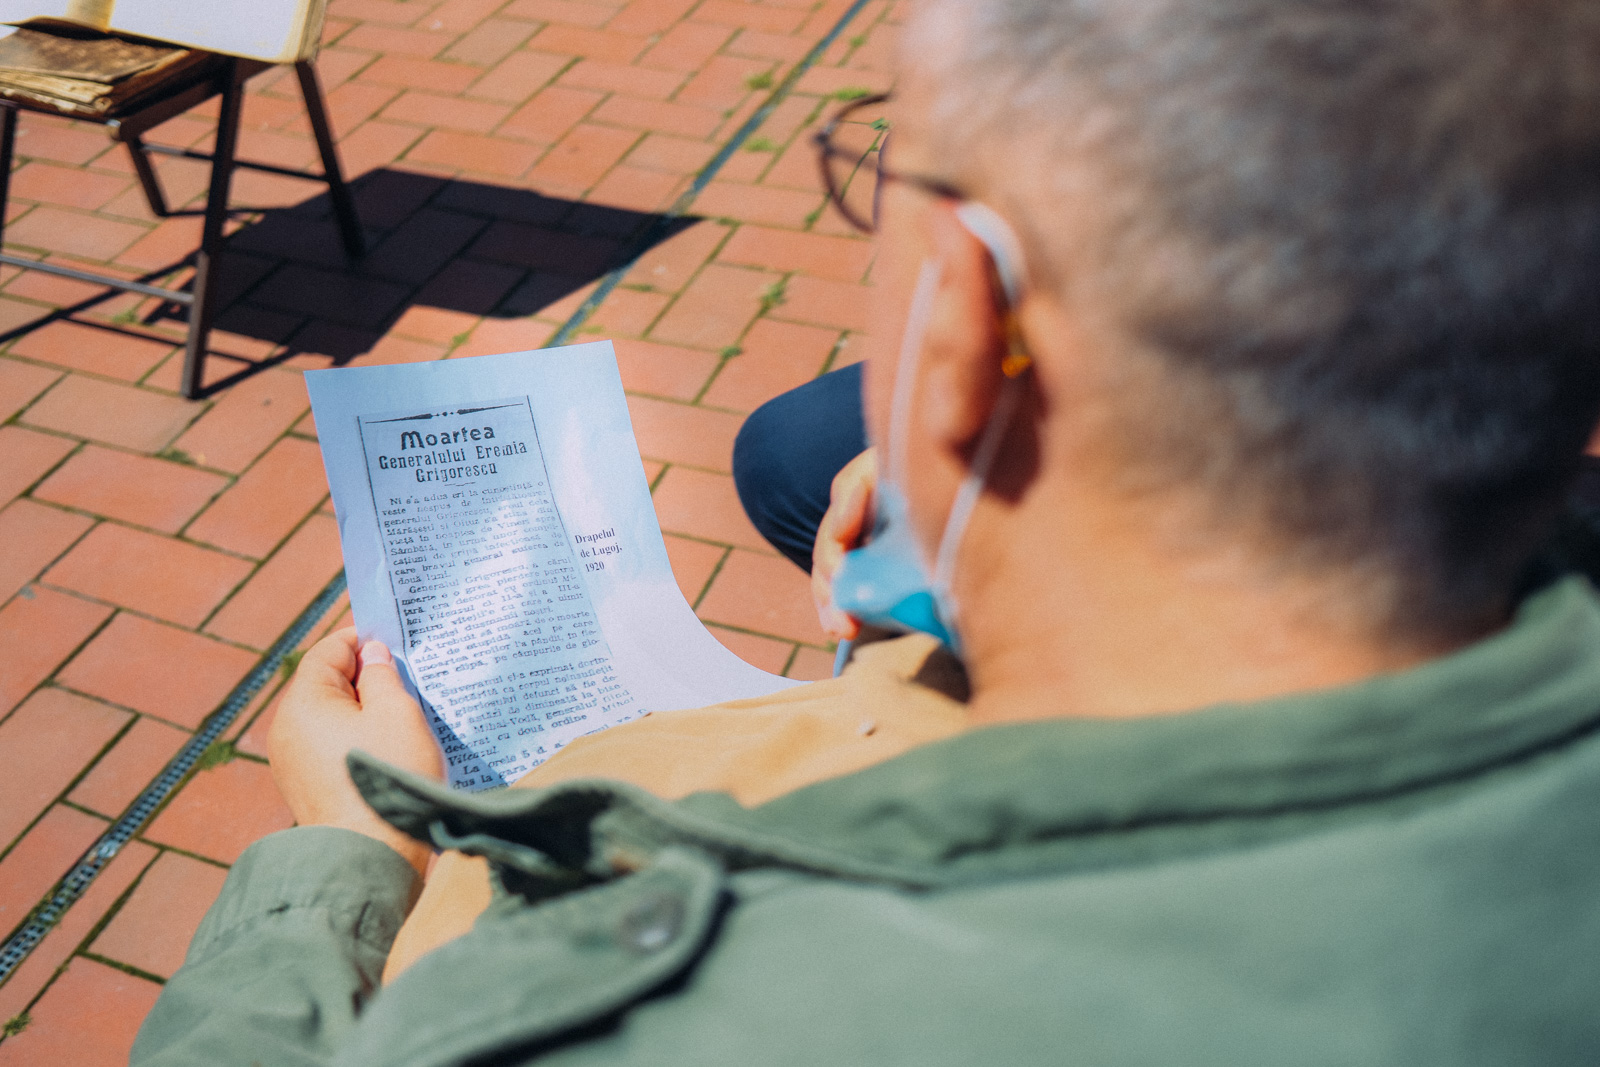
(965, 340)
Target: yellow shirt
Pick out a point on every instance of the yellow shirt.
(894, 696)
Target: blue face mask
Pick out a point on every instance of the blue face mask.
(888, 583)
(884, 583)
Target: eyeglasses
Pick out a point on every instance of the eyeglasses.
(851, 150)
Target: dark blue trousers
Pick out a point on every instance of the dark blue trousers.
(787, 453)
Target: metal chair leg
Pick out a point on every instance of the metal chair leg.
(344, 207)
(8, 146)
(203, 311)
(147, 174)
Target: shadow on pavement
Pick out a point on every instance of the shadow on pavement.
(463, 246)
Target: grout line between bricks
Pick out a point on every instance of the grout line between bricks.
(162, 847)
(79, 647)
(736, 628)
(63, 796)
(705, 587)
(125, 968)
(111, 912)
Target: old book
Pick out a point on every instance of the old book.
(90, 74)
(83, 57)
(274, 31)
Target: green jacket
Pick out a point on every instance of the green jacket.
(1403, 872)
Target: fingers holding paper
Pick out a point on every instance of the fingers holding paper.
(843, 527)
(345, 696)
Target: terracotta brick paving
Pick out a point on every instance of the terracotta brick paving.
(503, 152)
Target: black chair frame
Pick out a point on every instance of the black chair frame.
(227, 82)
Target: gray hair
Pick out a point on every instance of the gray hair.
(1360, 238)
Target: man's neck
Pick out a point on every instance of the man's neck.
(1091, 609)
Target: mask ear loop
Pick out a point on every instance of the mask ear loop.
(1005, 263)
(905, 372)
(1005, 257)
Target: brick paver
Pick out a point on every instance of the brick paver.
(154, 927)
(88, 1015)
(504, 153)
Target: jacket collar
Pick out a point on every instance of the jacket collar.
(1075, 793)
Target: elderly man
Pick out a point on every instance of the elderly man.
(1264, 359)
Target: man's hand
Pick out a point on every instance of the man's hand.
(340, 699)
(847, 519)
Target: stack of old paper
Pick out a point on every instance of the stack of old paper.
(272, 31)
(88, 73)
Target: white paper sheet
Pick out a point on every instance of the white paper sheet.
(499, 536)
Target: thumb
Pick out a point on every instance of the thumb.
(853, 514)
(378, 684)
